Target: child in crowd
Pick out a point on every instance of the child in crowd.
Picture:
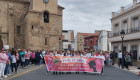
(14, 61)
(23, 61)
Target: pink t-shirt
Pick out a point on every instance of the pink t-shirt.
(27, 56)
(3, 58)
(33, 55)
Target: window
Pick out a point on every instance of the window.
(136, 22)
(116, 51)
(91, 41)
(45, 41)
(18, 29)
(32, 27)
(46, 17)
(125, 26)
(116, 28)
(80, 44)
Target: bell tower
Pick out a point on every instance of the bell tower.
(44, 5)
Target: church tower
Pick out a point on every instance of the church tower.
(44, 5)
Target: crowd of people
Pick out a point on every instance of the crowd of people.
(23, 58)
(11, 60)
(124, 60)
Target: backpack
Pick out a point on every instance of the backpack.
(127, 58)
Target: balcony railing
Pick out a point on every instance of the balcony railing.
(135, 29)
(128, 31)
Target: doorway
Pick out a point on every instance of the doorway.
(1, 43)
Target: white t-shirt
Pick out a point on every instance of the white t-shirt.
(120, 55)
(14, 59)
(43, 53)
(88, 54)
(68, 55)
(94, 56)
(58, 55)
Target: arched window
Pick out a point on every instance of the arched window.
(46, 17)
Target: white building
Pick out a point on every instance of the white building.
(128, 19)
(103, 41)
(74, 44)
(67, 39)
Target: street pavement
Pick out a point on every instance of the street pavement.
(110, 73)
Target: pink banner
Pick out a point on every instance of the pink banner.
(71, 64)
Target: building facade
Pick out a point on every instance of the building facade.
(67, 39)
(91, 42)
(31, 24)
(103, 44)
(80, 40)
(127, 19)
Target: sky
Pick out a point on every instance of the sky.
(89, 15)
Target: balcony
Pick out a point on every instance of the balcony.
(128, 31)
(130, 34)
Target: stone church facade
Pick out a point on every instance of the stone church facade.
(31, 24)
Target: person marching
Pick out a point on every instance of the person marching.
(77, 54)
(101, 56)
(59, 53)
(68, 54)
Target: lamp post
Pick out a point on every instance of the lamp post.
(122, 36)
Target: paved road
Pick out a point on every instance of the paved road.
(110, 73)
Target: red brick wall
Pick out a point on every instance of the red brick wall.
(89, 44)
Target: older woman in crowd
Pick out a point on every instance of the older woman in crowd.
(3, 60)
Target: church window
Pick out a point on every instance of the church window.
(32, 27)
(46, 17)
(45, 41)
(18, 29)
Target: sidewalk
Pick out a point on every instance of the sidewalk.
(21, 71)
(133, 69)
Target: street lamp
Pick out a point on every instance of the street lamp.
(122, 36)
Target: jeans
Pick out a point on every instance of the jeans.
(14, 65)
(107, 62)
(23, 64)
(7, 69)
(37, 61)
(26, 62)
(18, 61)
(41, 61)
(33, 61)
(120, 62)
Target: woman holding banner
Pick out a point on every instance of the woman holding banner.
(59, 53)
(47, 72)
(77, 54)
(68, 54)
(101, 56)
